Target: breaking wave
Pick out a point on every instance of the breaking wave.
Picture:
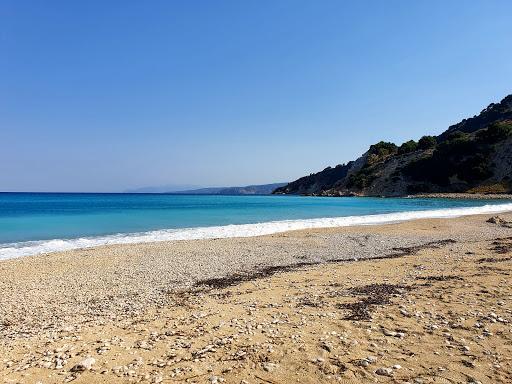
(28, 248)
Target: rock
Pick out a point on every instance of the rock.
(269, 367)
(387, 332)
(384, 371)
(326, 346)
(365, 362)
(397, 366)
(468, 363)
(362, 363)
(84, 365)
(143, 345)
(497, 220)
(59, 364)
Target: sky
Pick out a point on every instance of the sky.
(106, 96)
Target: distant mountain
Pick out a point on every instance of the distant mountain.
(265, 189)
(473, 156)
(163, 188)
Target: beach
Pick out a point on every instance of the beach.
(419, 301)
(228, 192)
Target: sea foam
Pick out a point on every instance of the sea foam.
(29, 248)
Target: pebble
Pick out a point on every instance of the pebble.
(84, 365)
(192, 337)
(269, 367)
(384, 371)
(371, 359)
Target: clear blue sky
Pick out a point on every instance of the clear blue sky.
(109, 95)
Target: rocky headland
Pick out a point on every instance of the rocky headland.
(472, 157)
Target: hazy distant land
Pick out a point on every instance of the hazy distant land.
(262, 189)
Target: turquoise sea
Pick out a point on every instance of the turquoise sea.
(32, 223)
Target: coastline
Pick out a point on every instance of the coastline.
(469, 196)
(143, 310)
(29, 248)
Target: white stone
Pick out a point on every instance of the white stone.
(84, 365)
(387, 332)
(269, 367)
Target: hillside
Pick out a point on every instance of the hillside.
(473, 156)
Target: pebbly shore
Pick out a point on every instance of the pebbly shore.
(470, 196)
(416, 301)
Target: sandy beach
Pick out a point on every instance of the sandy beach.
(420, 302)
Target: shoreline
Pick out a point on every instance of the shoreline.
(137, 273)
(469, 196)
(30, 248)
(437, 195)
(317, 302)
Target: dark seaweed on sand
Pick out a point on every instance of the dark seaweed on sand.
(376, 295)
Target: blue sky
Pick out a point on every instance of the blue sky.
(105, 96)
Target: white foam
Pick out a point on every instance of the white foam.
(28, 248)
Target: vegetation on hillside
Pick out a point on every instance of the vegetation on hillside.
(493, 113)
(460, 159)
(461, 155)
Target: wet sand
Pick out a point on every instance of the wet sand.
(422, 301)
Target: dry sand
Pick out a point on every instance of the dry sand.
(432, 303)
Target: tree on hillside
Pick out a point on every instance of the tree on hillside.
(407, 147)
(427, 142)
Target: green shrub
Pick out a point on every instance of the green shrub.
(430, 169)
(380, 151)
(427, 142)
(458, 144)
(474, 168)
(361, 179)
(496, 132)
(407, 147)
(383, 148)
(460, 155)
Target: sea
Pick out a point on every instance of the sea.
(35, 223)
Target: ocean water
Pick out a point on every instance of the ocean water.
(32, 223)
